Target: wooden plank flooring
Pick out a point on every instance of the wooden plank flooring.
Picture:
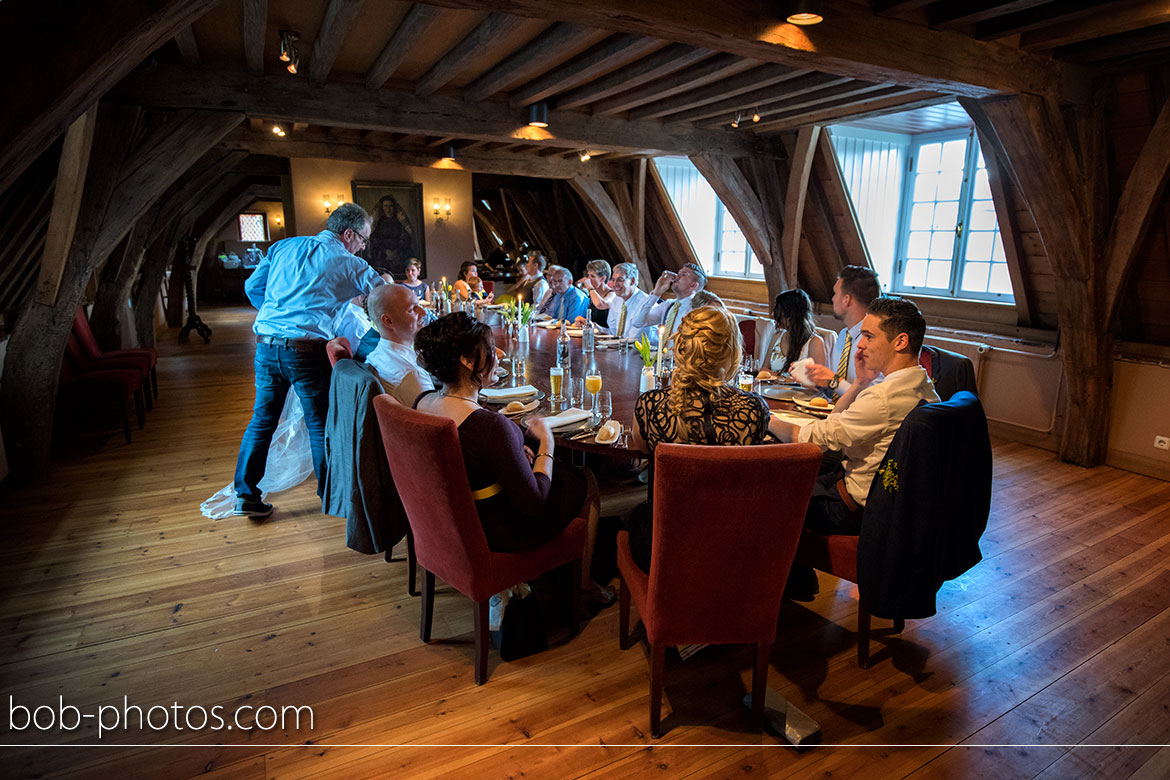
(1050, 659)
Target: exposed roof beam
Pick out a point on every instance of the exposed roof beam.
(189, 48)
(476, 161)
(354, 106)
(255, 31)
(339, 18)
(763, 76)
(720, 66)
(611, 53)
(413, 27)
(835, 95)
(872, 48)
(453, 62)
(534, 58)
(946, 16)
(1110, 21)
(810, 82)
(877, 106)
(1035, 18)
(1130, 44)
(647, 69)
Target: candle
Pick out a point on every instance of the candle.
(661, 341)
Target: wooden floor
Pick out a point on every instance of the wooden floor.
(115, 586)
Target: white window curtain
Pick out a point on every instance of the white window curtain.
(695, 202)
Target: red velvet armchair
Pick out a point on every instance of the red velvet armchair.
(726, 524)
(427, 465)
(338, 349)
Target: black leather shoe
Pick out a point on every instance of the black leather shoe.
(256, 510)
(802, 583)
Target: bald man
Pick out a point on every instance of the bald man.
(394, 310)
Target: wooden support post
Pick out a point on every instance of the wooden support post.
(801, 166)
(67, 194)
(638, 228)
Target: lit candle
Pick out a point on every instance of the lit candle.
(661, 340)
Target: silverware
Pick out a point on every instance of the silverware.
(591, 431)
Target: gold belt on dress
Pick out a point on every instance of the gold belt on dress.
(487, 492)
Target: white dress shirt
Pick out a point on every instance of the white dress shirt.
(633, 306)
(864, 430)
(398, 369)
(835, 356)
(658, 313)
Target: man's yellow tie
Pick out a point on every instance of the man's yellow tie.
(621, 331)
(843, 363)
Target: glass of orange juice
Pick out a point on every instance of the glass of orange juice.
(593, 387)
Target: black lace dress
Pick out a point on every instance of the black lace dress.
(732, 418)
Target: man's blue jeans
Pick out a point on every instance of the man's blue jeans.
(278, 369)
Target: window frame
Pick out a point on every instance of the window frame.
(962, 225)
(717, 269)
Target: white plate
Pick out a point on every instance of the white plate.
(803, 404)
(615, 440)
(786, 393)
(575, 332)
(528, 407)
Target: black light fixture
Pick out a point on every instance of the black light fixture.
(288, 50)
(804, 12)
(756, 115)
(735, 122)
(538, 114)
(450, 154)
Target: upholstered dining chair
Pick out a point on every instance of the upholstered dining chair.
(427, 464)
(81, 390)
(89, 345)
(726, 522)
(338, 349)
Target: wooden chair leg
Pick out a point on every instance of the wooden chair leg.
(154, 380)
(760, 682)
(899, 625)
(623, 613)
(657, 665)
(147, 397)
(411, 566)
(428, 606)
(862, 636)
(125, 421)
(575, 599)
(481, 642)
(140, 408)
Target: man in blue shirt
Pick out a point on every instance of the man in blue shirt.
(299, 288)
(563, 301)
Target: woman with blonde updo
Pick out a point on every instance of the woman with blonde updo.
(701, 406)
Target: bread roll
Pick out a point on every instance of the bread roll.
(514, 406)
(819, 402)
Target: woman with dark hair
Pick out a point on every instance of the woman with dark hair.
(523, 499)
(796, 333)
(469, 287)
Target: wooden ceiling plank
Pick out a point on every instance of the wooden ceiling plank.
(834, 95)
(759, 78)
(792, 89)
(451, 64)
(338, 21)
(71, 169)
(1109, 21)
(860, 46)
(255, 33)
(353, 106)
(718, 67)
(188, 47)
(531, 60)
(614, 52)
(853, 111)
(648, 69)
(946, 16)
(1148, 39)
(1035, 18)
(414, 26)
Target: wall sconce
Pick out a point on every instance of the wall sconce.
(288, 50)
(584, 155)
(278, 130)
(330, 203)
(442, 211)
(538, 114)
(804, 12)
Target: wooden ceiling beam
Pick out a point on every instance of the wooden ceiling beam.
(451, 64)
(475, 160)
(874, 106)
(339, 18)
(721, 66)
(614, 52)
(1149, 39)
(1035, 18)
(883, 7)
(188, 48)
(534, 58)
(857, 44)
(255, 32)
(354, 106)
(835, 95)
(759, 78)
(414, 26)
(648, 69)
(947, 16)
(1108, 21)
(792, 89)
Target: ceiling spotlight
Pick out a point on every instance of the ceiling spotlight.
(287, 39)
(756, 115)
(295, 61)
(450, 155)
(804, 12)
(584, 155)
(735, 122)
(538, 114)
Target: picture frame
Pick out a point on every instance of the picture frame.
(398, 231)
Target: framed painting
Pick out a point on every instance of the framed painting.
(397, 233)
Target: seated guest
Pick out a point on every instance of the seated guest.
(468, 282)
(701, 406)
(532, 286)
(395, 312)
(563, 301)
(624, 303)
(888, 384)
(596, 284)
(796, 333)
(422, 290)
(689, 280)
(523, 500)
(476, 292)
(856, 286)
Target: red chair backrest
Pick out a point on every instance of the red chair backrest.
(426, 462)
(747, 329)
(727, 521)
(84, 334)
(488, 287)
(338, 349)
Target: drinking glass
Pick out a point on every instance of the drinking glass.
(604, 404)
(576, 392)
(556, 376)
(745, 382)
(749, 364)
(518, 368)
(593, 386)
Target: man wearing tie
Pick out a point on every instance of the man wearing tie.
(563, 301)
(669, 313)
(855, 289)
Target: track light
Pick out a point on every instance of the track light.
(294, 62)
(450, 153)
(288, 50)
(538, 114)
(804, 12)
(735, 122)
(278, 130)
(756, 115)
(584, 155)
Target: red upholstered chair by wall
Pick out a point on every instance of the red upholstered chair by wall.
(747, 329)
(726, 525)
(90, 346)
(489, 287)
(338, 349)
(427, 464)
(80, 391)
(81, 366)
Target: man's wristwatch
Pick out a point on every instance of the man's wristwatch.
(833, 383)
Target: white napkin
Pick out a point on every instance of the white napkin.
(799, 371)
(502, 393)
(798, 420)
(567, 417)
(550, 324)
(575, 332)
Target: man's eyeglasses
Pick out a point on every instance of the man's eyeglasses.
(365, 239)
